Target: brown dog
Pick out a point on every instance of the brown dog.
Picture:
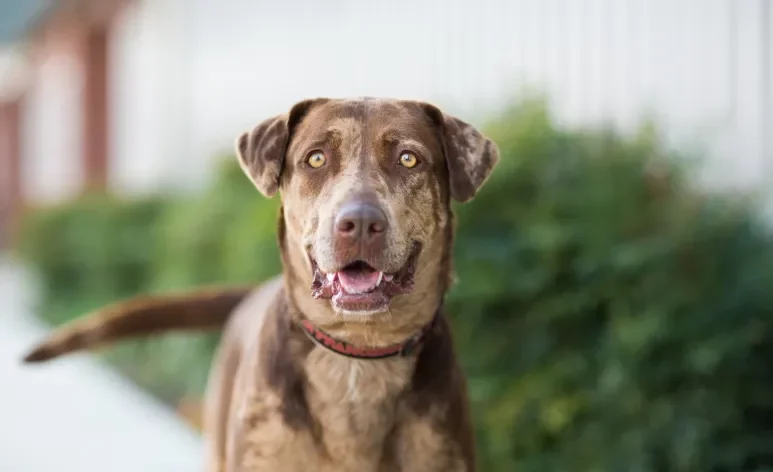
(358, 372)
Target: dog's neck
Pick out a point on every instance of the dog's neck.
(404, 348)
(360, 386)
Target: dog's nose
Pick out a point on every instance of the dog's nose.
(360, 221)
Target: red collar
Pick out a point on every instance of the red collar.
(402, 349)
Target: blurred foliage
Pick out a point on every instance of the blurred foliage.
(228, 234)
(95, 249)
(611, 317)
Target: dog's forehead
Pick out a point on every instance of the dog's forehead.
(357, 116)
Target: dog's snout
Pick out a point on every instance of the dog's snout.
(360, 221)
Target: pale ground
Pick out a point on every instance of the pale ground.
(74, 414)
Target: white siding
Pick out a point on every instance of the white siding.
(51, 142)
(149, 97)
(685, 61)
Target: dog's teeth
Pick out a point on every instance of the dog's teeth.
(380, 276)
(387, 277)
(330, 277)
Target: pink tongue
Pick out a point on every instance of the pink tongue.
(358, 281)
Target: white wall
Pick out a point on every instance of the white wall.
(246, 60)
(14, 71)
(51, 145)
(149, 98)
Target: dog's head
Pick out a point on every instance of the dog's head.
(366, 186)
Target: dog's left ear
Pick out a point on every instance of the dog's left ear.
(261, 151)
(470, 156)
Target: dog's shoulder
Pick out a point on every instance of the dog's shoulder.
(269, 414)
(434, 415)
(269, 367)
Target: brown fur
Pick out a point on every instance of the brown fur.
(206, 308)
(277, 401)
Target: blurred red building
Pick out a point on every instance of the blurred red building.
(10, 160)
(60, 64)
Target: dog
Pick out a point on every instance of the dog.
(345, 362)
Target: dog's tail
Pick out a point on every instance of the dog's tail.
(203, 309)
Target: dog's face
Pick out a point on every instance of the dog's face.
(366, 187)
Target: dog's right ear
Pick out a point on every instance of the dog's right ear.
(261, 151)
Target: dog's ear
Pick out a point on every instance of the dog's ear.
(261, 151)
(470, 156)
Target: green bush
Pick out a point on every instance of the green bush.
(228, 234)
(92, 250)
(611, 316)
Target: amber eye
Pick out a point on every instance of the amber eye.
(316, 159)
(408, 159)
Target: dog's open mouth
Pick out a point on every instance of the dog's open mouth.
(358, 286)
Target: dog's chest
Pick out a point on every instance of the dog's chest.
(355, 402)
(364, 424)
(354, 399)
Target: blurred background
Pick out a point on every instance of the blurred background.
(615, 304)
